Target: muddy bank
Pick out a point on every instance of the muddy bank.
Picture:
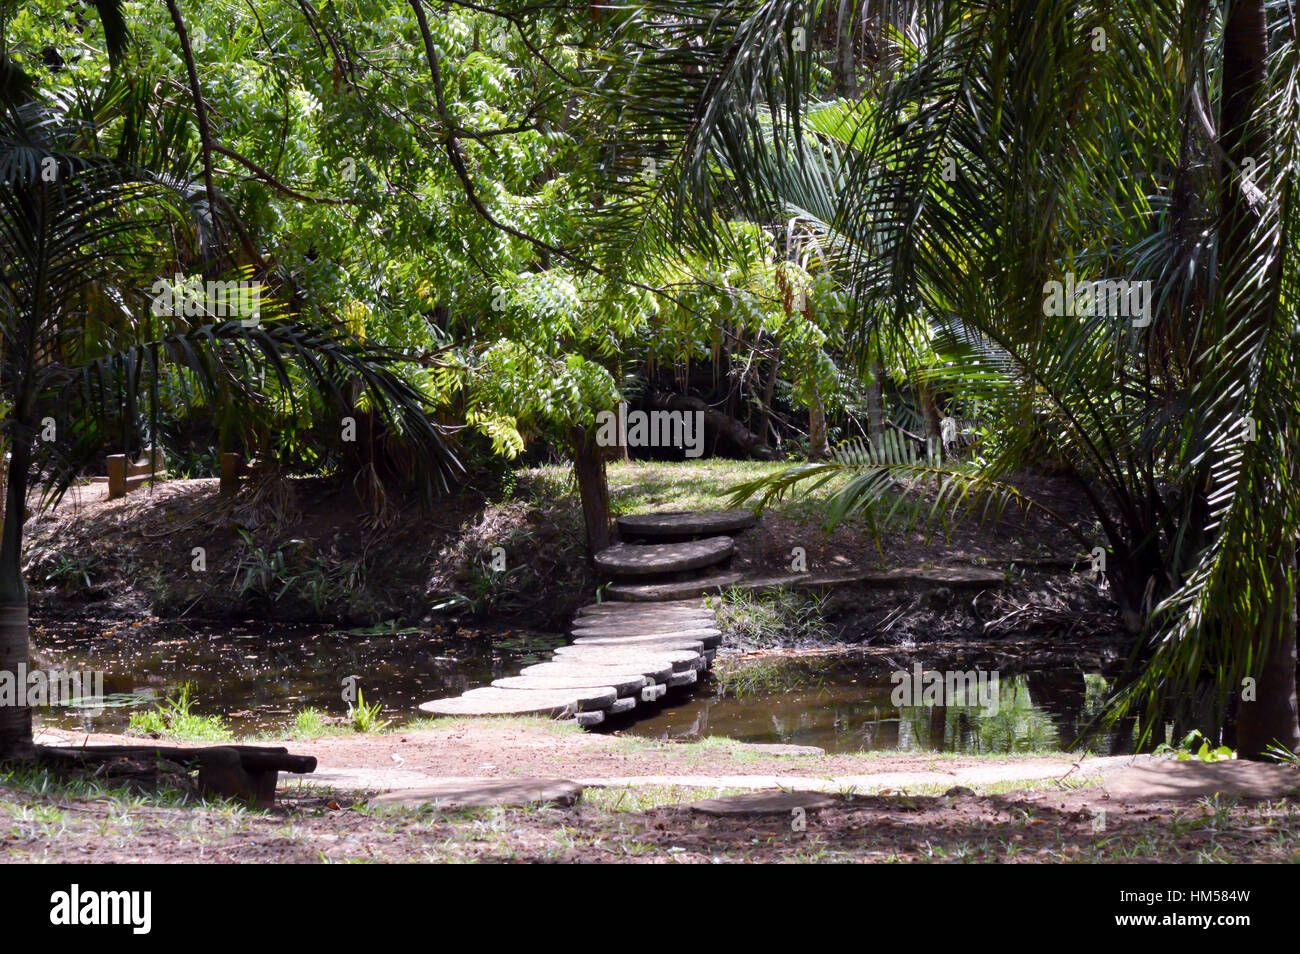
(306, 551)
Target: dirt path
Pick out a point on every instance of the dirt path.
(467, 749)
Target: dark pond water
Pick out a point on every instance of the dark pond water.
(843, 703)
(257, 677)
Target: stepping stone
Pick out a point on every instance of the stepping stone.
(622, 705)
(626, 613)
(493, 700)
(687, 678)
(694, 630)
(647, 643)
(686, 641)
(654, 670)
(659, 592)
(588, 719)
(682, 524)
(628, 657)
(1173, 779)
(641, 625)
(666, 608)
(624, 560)
(633, 628)
(779, 749)
(625, 685)
(763, 803)
(482, 793)
(647, 613)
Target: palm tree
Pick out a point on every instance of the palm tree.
(1084, 142)
(80, 246)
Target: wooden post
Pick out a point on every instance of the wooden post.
(232, 465)
(116, 476)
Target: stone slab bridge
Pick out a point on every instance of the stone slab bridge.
(655, 635)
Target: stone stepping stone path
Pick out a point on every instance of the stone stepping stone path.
(621, 659)
(624, 560)
(684, 524)
(663, 552)
(628, 654)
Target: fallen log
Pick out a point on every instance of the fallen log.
(732, 430)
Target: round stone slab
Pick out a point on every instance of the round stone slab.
(778, 749)
(493, 700)
(482, 793)
(709, 637)
(680, 524)
(637, 628)
(629, 657)
(652, 669)
(656, 592)
(644, 614)
(647, 643)
(677, 606)
(763, 803)
(624, 560)
(624, 685)
(626, 610)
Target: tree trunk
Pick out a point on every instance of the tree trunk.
(1271, 718)
(819, 447)
(938, 728)
(15, 645)
(734, 431)
(930, 412)
(769, 390)
(593, 488)
(846, 61)
(876, 405)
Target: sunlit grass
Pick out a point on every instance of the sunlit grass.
(706, 484)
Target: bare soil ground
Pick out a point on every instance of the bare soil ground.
(1070, 818)
(491, 748)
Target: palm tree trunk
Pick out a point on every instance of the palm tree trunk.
(1271, 718)
(930, 412)
(819, 447)
(846, 61)
(769, 390)
(15, 645)
(876, 404)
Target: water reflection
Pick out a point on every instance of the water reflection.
(258, 676)
(843, 704)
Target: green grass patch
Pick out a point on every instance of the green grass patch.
(174, 719)
(777, 617)
(706, 484)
